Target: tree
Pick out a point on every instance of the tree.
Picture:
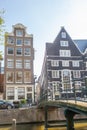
(1, 30)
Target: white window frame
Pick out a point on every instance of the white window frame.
(54, 63)
(20, 40)
(55, 74)
(25, 77)
(12, 50)
(76, 74)
(19, 54)
(10, 63)
(78, 86)
(20, 73)
(7, 73)
(65, 63)
(27, 41)
(56, 86)
(19, 33)
(27, 64)
(64, 43)
(10, 40)
(27, 53)
(21, 92)
(64, 53)
(75, 63)
(18, 63)
(10, 93)
(63, 34)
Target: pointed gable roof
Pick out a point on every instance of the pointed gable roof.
(81, 43)
(53, 48)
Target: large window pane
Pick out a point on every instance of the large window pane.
(27, 41)
(27, 64)
(19, 42)
(26, 77)
(76, 74)
(75, 63)
(66, 80)
(18, 63)
(19, 32)
(19, 51)
(9, 77)
(10, 40)
(10, 50)
(10, 93)
(55, 74)
(54, 63)
(27, 51)
(10, 63)
(18, 77)
(65, 53)
(21, 93)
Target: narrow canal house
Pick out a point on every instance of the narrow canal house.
(19, 56)
(63, 62)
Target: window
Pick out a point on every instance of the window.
(66, 80)
(19, 51)
(19, 32)
(75, 63)
(9, 77)
(10, 51)
(55, 74)
(27, 64)
(29, 96)
(18, 63)
(21, 93)
(76, 74)
(10, 93)
(78, 86)
(26, 77)
(54, 63)
(19, 42)
(10, 63)
(63, 34)
(27, 51)
(65, 63)
(65, 53)
(10, 40)
(55, 86)
(27, 41)
(18, 77)
(64, 43)
(29, 89)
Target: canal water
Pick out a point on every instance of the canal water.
(79, 126)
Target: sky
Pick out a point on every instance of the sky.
(43, 19)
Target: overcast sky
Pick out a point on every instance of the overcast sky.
(44, 18)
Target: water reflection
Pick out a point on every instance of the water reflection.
(80, 126)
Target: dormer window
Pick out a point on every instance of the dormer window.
(63, 34)
(19, 33)
(64, 43)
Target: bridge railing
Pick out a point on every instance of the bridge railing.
(68, 94)
(73, 93)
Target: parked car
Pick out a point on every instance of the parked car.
(6, 105)
(16, 104)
